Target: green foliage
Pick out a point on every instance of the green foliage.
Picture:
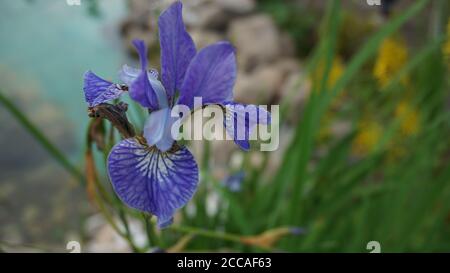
(343, 202)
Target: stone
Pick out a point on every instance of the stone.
(103, 238)
(265, 83)
(237, 6)
(287, 44)
(257, 40)
(295, 92)
(207, 15)
(203, 38)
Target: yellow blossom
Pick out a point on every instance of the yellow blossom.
(408, 117)
(446, 47)
(368, 136)
(392, 56)
(336, 71)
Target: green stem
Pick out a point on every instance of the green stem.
(128, 236)
(207, 233)
(152, 237)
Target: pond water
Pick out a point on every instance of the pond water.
(52, 44)
(46, 47)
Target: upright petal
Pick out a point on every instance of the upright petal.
(151, 181)
(157, 129)
(141, 90)
(211, 75)
(177, 48)
(129, 74)
(241, 120)
(98, 90)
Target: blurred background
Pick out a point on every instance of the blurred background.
(364, 141)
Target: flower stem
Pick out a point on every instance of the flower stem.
(152, 237)
(207, 233)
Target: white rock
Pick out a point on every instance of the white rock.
(105, 239)
(264, 83)
(207, 15)
(237, 6)
(203, 38)
(295, 92)
(257, 40)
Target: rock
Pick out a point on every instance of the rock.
(105, 239)
(295, 92)
(237, 6)
(287, 44)
(264, 83)
(207, 15)
(203, 38)
(257, 40)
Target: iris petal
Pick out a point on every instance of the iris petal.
(240, 121)
(152, 181)
(211, 75)
(98, 90)
(129, 74)
(141, 90)
(157, 129)
(177, 48)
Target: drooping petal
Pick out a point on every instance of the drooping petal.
(157, 129)
(240, 121)
(140, 89)
(151, 181)
(98, 90)
(177, 48)
(129, 74)
(211, 75)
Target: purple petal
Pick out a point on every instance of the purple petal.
(129, 74)
(177, 48)
(141, 90)
(240, 121)
(234, 181)
(98, 90)
(157, 129)
(151, 181)
(211, 75)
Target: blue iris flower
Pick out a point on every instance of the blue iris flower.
(234, 181)
(157, 175)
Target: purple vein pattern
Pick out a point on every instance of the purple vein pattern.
(149, 180)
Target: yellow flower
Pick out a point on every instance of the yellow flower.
(392, 56)
(408, 117)
(368, 136)
(446, 48)
(336, 71)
